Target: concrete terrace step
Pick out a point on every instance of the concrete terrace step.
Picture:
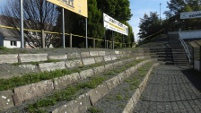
(96, 95)
(29, 63)
(84, 96)
(30, 91)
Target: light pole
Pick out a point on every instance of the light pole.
(160, 11)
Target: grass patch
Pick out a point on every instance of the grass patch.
(95, 110)
(65, 95)
(135, 81)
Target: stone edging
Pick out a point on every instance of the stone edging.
(85, 101)
(136, 96)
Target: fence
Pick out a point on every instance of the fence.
(72, 37)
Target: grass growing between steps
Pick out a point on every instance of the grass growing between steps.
(6, 84)
(37, 63)
(117, 99)
(71, 92)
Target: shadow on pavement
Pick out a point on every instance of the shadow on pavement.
(194, 77)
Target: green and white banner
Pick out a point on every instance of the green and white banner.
(114, 25)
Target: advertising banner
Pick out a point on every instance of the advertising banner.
(114, 25)
(76, 6)
(189, 15)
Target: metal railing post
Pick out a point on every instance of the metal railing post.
(71, 40)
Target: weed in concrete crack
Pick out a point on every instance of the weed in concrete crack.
(119, 97)
(95, 110)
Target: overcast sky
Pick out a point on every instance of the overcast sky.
(138, 8)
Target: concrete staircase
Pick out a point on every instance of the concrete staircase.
(178, 52)
(160, 49)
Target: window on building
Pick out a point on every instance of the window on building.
(13, 43)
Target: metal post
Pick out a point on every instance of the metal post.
(71, 40)
(200, 57)
(94, 43)
(193, 59)
(107, 44)
(63, 28)
(86, 35)
(123, 41)
(160, 11)
(112, 40)
(105, 38)
(21, 24)
(43, 38)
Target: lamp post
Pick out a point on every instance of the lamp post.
(160, 11)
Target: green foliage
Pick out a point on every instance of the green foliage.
(176, 7)
(95, 110)
(3, 48)
(149, 25)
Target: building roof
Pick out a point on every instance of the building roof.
(8, 33)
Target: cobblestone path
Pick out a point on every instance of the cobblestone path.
(171, 89)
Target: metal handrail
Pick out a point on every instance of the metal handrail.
(186, 49)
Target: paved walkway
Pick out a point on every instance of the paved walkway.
(171, 89)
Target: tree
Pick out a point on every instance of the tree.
(118, 9)
(178, 6)
(149, 25)
(38, 15)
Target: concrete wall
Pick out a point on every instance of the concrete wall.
(194, 34)
(197, 65)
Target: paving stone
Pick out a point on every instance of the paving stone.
(8, 58)
(94, 53)
(117, 52)
(74, 63)
(85, 54)
(52, 66)
(122, 77)
(63, 82)
(109, 66)
(32, 57)
(102, 53)
(97, 93)
(84, 102)
(57, 57)
(88, 61)
(107, 58)
(170, 89)
(29, 66)
(99, 70)
(113, 82)
(99, 59)
(6, 100)
(73, 55)
(70, 107)
(113, 57)
(86, 73)
(31, 91)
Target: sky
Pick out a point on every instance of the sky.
(138, 9)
